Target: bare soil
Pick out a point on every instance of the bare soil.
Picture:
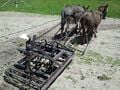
(98, 69)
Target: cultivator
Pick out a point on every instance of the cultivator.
(43, 62)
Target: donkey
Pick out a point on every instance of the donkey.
(90, 20)
(71, 14)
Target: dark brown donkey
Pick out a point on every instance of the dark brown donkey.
(90, 21)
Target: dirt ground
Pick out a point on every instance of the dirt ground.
(98, 69)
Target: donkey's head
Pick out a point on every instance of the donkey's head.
(103, 10)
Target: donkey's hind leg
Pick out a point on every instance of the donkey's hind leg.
(63, 22)
(66, 33)
(94, 32)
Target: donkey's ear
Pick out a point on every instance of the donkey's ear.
(83, 7)
(87, 7)
(106, 5)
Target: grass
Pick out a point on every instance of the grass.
(71, 78)
(96, 58)
(54, 7)
(19, 43)
(90, 57)
(53, 88)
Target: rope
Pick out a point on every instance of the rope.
(28, 28)
(47, 31)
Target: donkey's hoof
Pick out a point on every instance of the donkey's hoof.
(95, 36)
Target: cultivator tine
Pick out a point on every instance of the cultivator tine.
(22, 51)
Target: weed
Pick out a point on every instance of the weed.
(103, 77)
(71, 78)
(82, 77)
(20, 44)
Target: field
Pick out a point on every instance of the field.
(54, 7)
(98, 69)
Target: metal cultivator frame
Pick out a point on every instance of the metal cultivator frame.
(43, 62)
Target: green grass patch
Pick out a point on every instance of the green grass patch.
(68, 77)
(90, 57)
(113, 61)
(19, 42)
(54, 7)
(71, 78)
(53, 88)
(96, 58)
(116, 62)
